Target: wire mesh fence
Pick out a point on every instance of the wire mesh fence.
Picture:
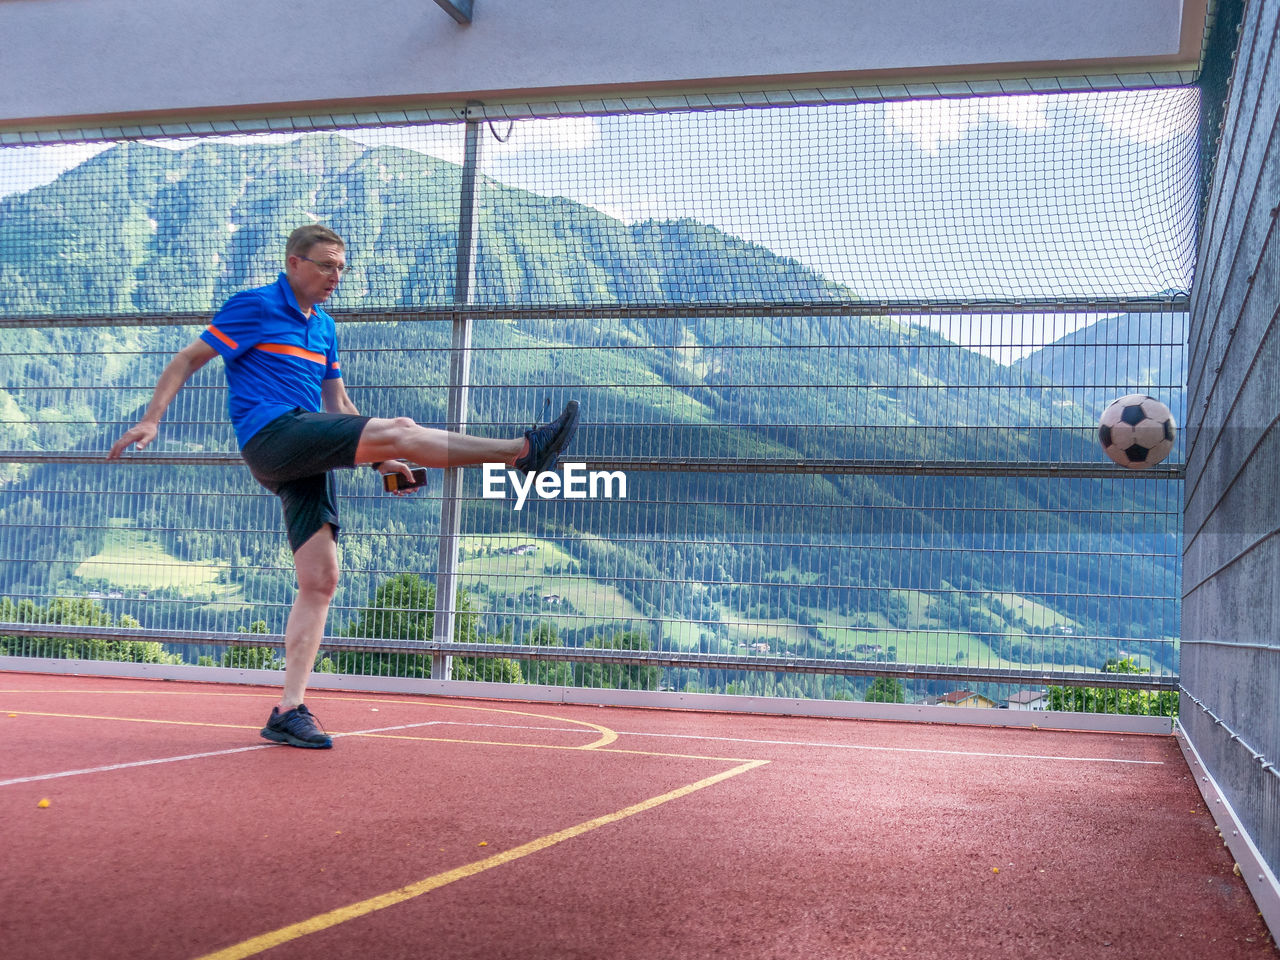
(841, 369)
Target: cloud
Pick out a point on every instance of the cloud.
(1140, 116)
(24, 168)
(501, 138)
(1144, 116)
(930, 123)
(934, 124)
(1024, 113)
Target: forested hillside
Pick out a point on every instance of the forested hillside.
(1117, 355)
(141, 228)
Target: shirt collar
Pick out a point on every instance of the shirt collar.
(287, 290)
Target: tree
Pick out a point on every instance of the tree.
(84, 612)
(617, 675)
(1145, 703)
(252, 658)
(552, 673)
(403, 608)
(886, 690)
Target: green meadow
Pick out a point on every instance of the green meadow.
(503, 574)
(132, 560)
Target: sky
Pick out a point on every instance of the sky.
(1012, 197)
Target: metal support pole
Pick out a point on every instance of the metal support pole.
(459, 387)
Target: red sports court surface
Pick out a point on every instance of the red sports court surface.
(459, 828)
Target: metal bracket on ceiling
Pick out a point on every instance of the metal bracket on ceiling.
(460, 10)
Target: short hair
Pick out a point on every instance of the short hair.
(304, 238)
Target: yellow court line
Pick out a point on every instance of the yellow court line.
(85, 716)
(265, 692)
(607, 736)
(332, 918)
(391, 736)
(543, 746)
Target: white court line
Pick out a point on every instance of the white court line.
(190, 756)
(135, 763)
(806, 743)
(515, 726)
(403, 726)
(672, 736)
(863, 746)
(267, 746)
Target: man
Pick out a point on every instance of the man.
(294, 423)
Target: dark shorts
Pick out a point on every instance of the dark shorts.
(292, 456)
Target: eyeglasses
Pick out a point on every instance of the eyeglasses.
(327, 266)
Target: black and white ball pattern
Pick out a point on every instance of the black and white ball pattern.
(1137, 431)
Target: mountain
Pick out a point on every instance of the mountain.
(1129, 353)
(144, 228)
(140, 228)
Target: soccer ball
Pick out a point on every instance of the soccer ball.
(1136, 431)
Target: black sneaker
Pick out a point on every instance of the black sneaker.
(296, 727)
(547, 442)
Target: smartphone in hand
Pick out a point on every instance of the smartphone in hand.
(395, 482)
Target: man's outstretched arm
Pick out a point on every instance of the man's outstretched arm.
(185, 363)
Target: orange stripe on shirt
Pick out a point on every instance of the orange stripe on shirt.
(291, 351)
(223, 337)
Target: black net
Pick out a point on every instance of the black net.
(850, 358)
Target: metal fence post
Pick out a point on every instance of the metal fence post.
(459, 388)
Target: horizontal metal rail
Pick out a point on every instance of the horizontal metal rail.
(934, 468)
(570, 311)
(99, 456)
(633, 658)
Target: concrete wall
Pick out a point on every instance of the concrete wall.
(1231, 570)
(104, 61)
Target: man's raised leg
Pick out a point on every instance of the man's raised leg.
(403, 439)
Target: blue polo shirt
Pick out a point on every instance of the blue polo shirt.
(275, 357)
